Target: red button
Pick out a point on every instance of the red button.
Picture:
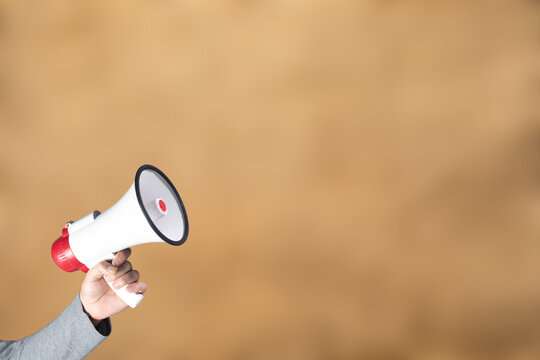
(162, 205)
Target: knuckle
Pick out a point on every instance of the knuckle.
(124, 267)
(131, 277)
(113, 277)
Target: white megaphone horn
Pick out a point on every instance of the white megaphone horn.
(150, 211)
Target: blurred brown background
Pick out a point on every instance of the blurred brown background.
(362, 178)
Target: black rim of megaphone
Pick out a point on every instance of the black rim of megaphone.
(184, 214)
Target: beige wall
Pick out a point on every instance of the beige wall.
(362, 177)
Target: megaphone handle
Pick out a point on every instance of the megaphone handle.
(131, 299)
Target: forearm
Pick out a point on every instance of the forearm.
(70, 336)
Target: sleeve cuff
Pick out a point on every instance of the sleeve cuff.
(104, 327)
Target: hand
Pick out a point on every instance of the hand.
(98, 299)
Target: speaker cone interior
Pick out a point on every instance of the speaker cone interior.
(161, 205)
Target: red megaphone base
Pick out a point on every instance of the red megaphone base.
(63, 255)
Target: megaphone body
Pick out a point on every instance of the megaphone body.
(150, 211)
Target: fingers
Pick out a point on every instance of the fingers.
(121, 257)
(123, 275)
(114, 272)
(118, 273)
(97, 272)
(138, 287)
(130, 277)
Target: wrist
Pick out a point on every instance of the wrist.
(94, 321)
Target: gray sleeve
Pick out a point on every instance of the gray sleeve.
(70, 336)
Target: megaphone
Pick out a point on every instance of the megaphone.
(150, 211)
